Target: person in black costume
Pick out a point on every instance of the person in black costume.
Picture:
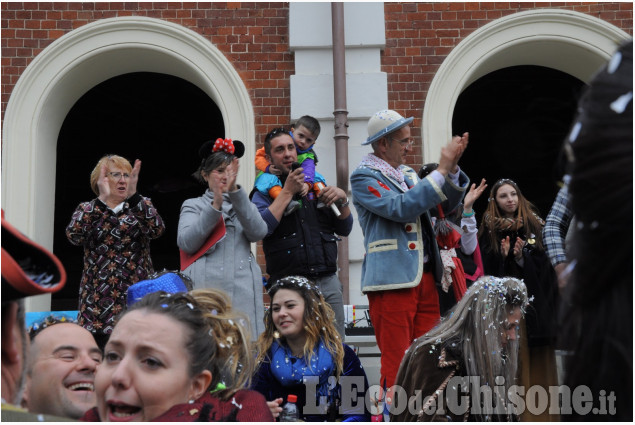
(597, 326)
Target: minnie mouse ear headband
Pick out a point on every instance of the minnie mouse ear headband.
(27, 268)
(383, 123)
(232, 147)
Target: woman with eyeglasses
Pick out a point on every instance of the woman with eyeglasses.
(216, 231)
(510, 237)
(115, 230)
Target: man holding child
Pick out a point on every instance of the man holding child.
(303, 242)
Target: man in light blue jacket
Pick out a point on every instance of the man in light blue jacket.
(402, 265)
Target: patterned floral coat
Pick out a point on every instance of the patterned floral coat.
(116, 255)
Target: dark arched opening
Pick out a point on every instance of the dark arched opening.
(161, 120)
(518, 118)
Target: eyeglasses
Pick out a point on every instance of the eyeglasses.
(117, 175)
(406, 142)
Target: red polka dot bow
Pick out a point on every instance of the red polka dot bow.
(225, 145)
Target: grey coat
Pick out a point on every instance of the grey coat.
(229, 264)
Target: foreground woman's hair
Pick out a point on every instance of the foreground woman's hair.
(217, 340)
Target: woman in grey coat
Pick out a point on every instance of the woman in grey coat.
(227, 263)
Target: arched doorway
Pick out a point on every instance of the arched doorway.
(70, 67)
(518, 118)
(567, 41)
(157, 118)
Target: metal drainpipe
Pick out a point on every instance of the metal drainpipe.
(341, 128)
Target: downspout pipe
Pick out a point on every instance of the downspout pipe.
(341, 129)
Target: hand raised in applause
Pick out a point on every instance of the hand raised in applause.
(232, 175)
(472, 195)
(103, 184)
(134, 178)
(451, 154)
(217, 181)
(518, 249)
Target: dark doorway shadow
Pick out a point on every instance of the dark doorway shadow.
(518, 118)
(161, 120)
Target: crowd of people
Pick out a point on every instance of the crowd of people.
(486, 305)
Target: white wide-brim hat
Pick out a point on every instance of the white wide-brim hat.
(384, 122)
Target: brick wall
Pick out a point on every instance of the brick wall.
(253, 36)
(420, 35)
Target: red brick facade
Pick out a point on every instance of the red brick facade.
(254, 38)
(419, 36)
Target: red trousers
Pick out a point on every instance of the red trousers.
(400, 316)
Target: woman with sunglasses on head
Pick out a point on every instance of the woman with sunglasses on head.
(510, 237)
(115, 230)
(216, 231)
(178, 357)
(300, 353)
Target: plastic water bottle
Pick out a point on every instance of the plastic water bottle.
(290, 410)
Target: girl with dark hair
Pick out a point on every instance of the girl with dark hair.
(178, 357)
(216, 231)
(300, 353)
(510, 238)
(510, 215)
